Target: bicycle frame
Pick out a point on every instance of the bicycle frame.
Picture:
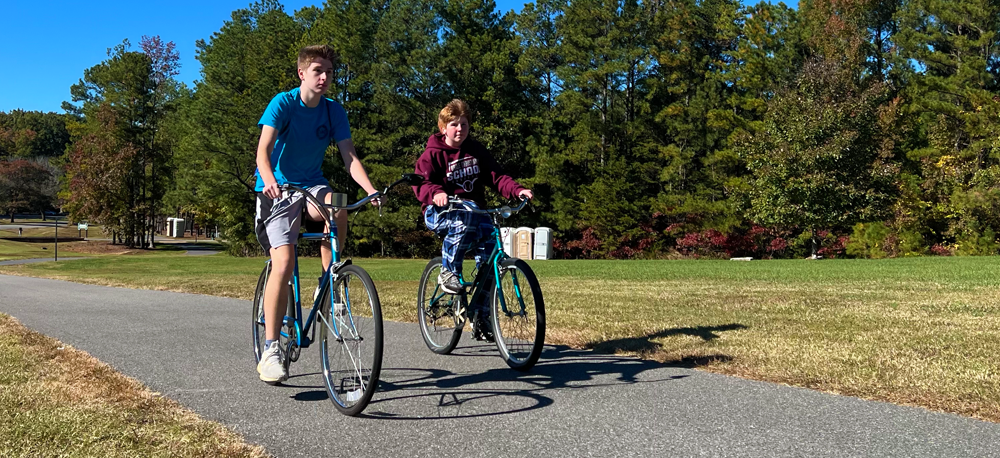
(329, 276)
(477, 288)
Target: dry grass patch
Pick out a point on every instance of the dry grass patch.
(913, 344)
(99, 247)
(59, 401)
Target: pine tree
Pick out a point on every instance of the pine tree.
(954, 84)
(244, 64)
(138, 89)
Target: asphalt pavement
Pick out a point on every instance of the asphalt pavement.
(196, 350)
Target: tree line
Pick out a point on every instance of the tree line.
(705, 128)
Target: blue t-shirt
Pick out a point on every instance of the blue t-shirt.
(303, 135)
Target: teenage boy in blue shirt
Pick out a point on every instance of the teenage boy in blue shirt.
(296, 129)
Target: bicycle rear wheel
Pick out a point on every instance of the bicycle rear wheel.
(441, 315)
(258, 313)
(351, 339)
(518, 322)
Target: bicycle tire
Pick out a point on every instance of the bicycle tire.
(257, 321)
(441, 317)
(290, 337)
(349, 383)
(520, 331)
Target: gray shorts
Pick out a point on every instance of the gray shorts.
(278, 220)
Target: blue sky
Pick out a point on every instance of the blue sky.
(46, 45)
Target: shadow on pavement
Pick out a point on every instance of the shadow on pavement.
(410, 393)
(421, 393)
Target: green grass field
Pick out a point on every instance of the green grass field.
(918, 331)
(35, 230)
(20, 250)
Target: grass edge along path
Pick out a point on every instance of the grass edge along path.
(59, 401)
(918, 331)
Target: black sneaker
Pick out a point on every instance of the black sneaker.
(449, 282)
(483, 331)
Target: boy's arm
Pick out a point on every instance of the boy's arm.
(502, 182)
(264, 148)
(353, 165)
(430, 192)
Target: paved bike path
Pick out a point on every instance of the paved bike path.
(195, 349)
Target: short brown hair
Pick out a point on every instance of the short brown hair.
(452, 111)
(310, 54)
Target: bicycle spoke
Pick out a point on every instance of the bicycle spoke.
(439, 313)
(352, 359)
(519, 324)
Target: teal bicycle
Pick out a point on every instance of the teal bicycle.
(346, 312)
(510, 287)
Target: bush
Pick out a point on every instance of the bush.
(976, 244)
(869, 241)
(758, 242)
(830, 245)
(909, 242)
(586, 247)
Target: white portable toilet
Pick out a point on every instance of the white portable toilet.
(543, 243)
(178, 227)
(523, 242)
(507, 236)
(170, 227)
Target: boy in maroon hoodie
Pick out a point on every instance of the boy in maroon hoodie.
(455, 165)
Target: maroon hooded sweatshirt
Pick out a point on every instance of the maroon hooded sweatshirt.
(464, 171)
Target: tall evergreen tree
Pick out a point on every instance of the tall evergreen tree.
(712, 80)
(954, 84)
(249, 60)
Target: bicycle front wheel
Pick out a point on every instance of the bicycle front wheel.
(440, 314)
(258, 313)
(350, 322)
(518, 315)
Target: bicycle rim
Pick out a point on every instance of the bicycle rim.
(351, 340)
(257, 322)
(440, 314)
(520, 327)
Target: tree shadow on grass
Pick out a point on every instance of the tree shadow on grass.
(645, 346)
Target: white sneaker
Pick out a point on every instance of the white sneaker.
(270, 369)
(318, 287)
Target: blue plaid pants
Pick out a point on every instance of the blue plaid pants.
(461, 230)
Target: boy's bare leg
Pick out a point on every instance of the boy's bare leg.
(276, 291)
(325, 251)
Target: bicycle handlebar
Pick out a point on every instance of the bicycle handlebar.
(409, 178)
(504, 211)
